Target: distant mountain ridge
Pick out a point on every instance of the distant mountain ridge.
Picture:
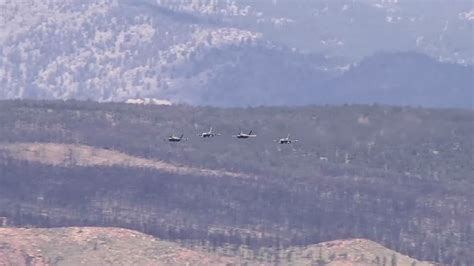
(231, 54)
(406, 78)
(349, 28)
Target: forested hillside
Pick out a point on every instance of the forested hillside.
(398, 176)
(413, 141)
(349, 28)
(238, 53)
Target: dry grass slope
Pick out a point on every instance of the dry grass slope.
(357, 252)
(114, 246)
(94, 246)
(60, 154)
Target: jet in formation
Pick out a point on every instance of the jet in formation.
(174, 138)
(242, 135)
(286, 140)
(209, 134)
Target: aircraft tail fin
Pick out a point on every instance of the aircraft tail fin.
(250, 133)
(182, 135)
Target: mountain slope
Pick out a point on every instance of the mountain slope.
(104, 50)
(95, 246)
(59, 154)
(396, 175)
(224, 53)
(405, 79)
(347, 28)
(112, 246)
(356, 252)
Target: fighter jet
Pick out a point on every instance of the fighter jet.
(209, 134)
(242, 135)
(286, 140)
(173, 138)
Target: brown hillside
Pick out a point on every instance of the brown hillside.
(83, 155)
(356, 252)
(94, 246)
(114, 246)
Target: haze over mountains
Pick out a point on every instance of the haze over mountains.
(239, 53)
